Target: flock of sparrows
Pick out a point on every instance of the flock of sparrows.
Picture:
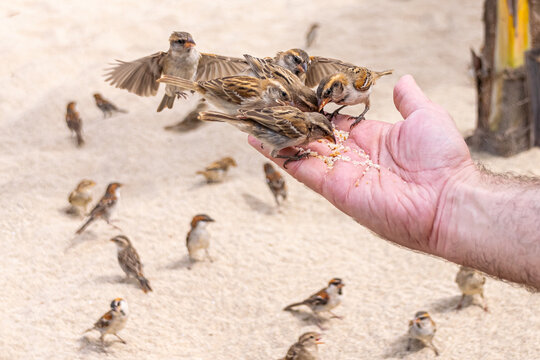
(272, 99)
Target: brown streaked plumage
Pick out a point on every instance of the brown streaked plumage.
(305, 348)
(106, 106)
(74, 122)
(216, 171)
(276, 183)
(112, 321)
(471, 282)
(422, 328)
(198, 237)
(130, 262)
(81, 196)
(105, 207)
(190, 121)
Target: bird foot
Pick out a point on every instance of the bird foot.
(298, 156)
(181, 94)
(356, 121)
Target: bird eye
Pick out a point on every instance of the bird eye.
(327, 93)
(284, 94)
(181, 41)
(297, 60)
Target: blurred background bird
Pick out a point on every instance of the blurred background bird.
(306, 348)
(107, 107)
(74, 122)
(80, 197)
(216, 171)
(191, 120)
(276, 183)
(422, 328)
(130, 262)
(311, 35)
(471, 282)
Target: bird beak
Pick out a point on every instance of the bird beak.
(318, 341)
(302, 68)
(332, 139)
(323, 103)
(189, 44)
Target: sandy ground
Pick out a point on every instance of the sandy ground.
(54, 288)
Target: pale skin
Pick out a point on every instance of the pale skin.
(428, 194)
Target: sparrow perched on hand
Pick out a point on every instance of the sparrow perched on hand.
(276, 183)
(311, 34)
(305, 348)
(81, 196)
(234, 92)
(105, 207)
(191, 121)
(470, 282)
(106, 106)
(198, 237)
(182, 60)
(323, 300)
(279, 127)
(349, 87)
(422, 328)
(74, 122)
(129, 261)
(113, 321)
(216, 171)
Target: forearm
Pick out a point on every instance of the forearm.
(492, 223)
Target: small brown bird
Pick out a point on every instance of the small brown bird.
(276, 183)
(130, 262)
(305, 348)
(106, 106)
(191, 121)
(74, 122)
(311, 34)
(104, 209)
(349, 87)
(279, 127)
(112, 321)
(295, 60)
(470, 282)
(81, 197)
(198, 237)
(422, 328)
(323, 300)
(216, 171)
(182, 60)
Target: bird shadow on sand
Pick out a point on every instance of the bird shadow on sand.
(398, 348)
(88, 345)
(308, 318)
(447, 304)
(71, 212)
(184, 263)
(77, 240)
(258, 205)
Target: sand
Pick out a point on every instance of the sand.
(53, 287)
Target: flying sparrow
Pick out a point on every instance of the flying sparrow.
(323, 300)
(81, 196)
(311, 34)
(198, 237)
(191, 121)
(182, 60)
(234, 92)
(349, 87)
(470, 282)
(279, 127)
(276, 183)
(105, 207)
(305, 348)
(106, 106)
(422, 328)
(129, 261)
(113, 321)
(216, 171)
(74, 122)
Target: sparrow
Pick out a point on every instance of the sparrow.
(279, 127)
(422, 328)
(182, 60)
(305, 348)
(295, 60)
(311, 34)
(234, 92)
(106, 106)
(276, 183)
(105, 207)
(81, 196)
(323, 300)
(112, 321)
(216, 171)
(470, 282)
(198, 237)
(191, 121)
(129, 261)
(74, 122)
(349, 87)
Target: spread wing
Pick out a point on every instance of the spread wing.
(286, 120)
(138, 76)
(320, 67)
(216, 66)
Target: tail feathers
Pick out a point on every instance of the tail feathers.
(179, 82)
(290, 307)
(145, 284)
(89, 329)
(80, 140)
(167, 101)
(378, 74)
(215, 116)
(85, 225)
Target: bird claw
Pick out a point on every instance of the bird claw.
(357, 120)
(295, 157)
(181, 94)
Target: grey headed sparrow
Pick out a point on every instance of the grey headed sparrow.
(216, 171)
(422, 328)
(294, 60)
(302, 97)
(234, 92)
(349, 87)
(279, 127)
(276, 183)
(81, 196)
(104, 209)
(112, 321)
(198, 237)
(74, 122)
(305, 348)
(312, 34)
(130, 262)
(190, 121)
(323, 300)
(470, 282)
(182, 60)
(107, 107)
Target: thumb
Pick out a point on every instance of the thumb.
(408, 97)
